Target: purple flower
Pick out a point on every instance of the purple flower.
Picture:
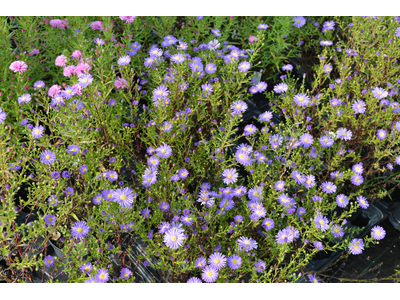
(298, 177)
(39, 84)
(145, 212)
(247, 243)
(178, 58)
(318, 246)
(80, 230)
(164, 151)
(49, 261)
(358, 168)
(268, 224)
(309, 181)
(25, 98)
(124, 197)
(200, 262)
(47, 157)
(298, 22)
(194, 280)
(344, 134)
(301, 211)
(357, 179)
(301, 99)
(326, 43)
(283, 237)
(102, 276)
(321, 222)
(280, 88)
(74, 149)
(125, 273)
(279, 185)
(313, 278)
(262, 26)
(250, 129)
(216, 32)
(326, 141)
(260, 267)
(261, 86)
(234, 262)
(112, 175)
(359, 107)
(174, 238)
(244, 66)
(337, 231)
(37, 131)
(356, 246)
(86, 268)
(239, 107)
(50, 219)
(381, 134)
(217, 260)
(342, 200)
(328, 187)
(230, 176)
(379, 93)
(327, 68)
(306, 140)
(52, 201)
(287, 67)
(378, 233)
(209, 274)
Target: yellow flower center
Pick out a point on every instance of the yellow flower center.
(102, 276)
(123, 197)
(163, 151)
(321, 222)
(85, 80)
(234, 261)
(47, 156)
(174, 238)
(356, 247)
(247, 242)
(125, 274)
(50, 219)
(79, 230)
(209, 274)
(69, 91)
(216, 261)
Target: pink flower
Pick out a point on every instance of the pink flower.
(120, 83)
(252, 39)
(69, 71)
(61, 61)
(57, 23)
(78, 89)
(76, 54)
(82, 68)
(18, 66)
(54, 90)
(97, 25)
(128, 19)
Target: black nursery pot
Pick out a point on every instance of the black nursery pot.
(366, 218)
